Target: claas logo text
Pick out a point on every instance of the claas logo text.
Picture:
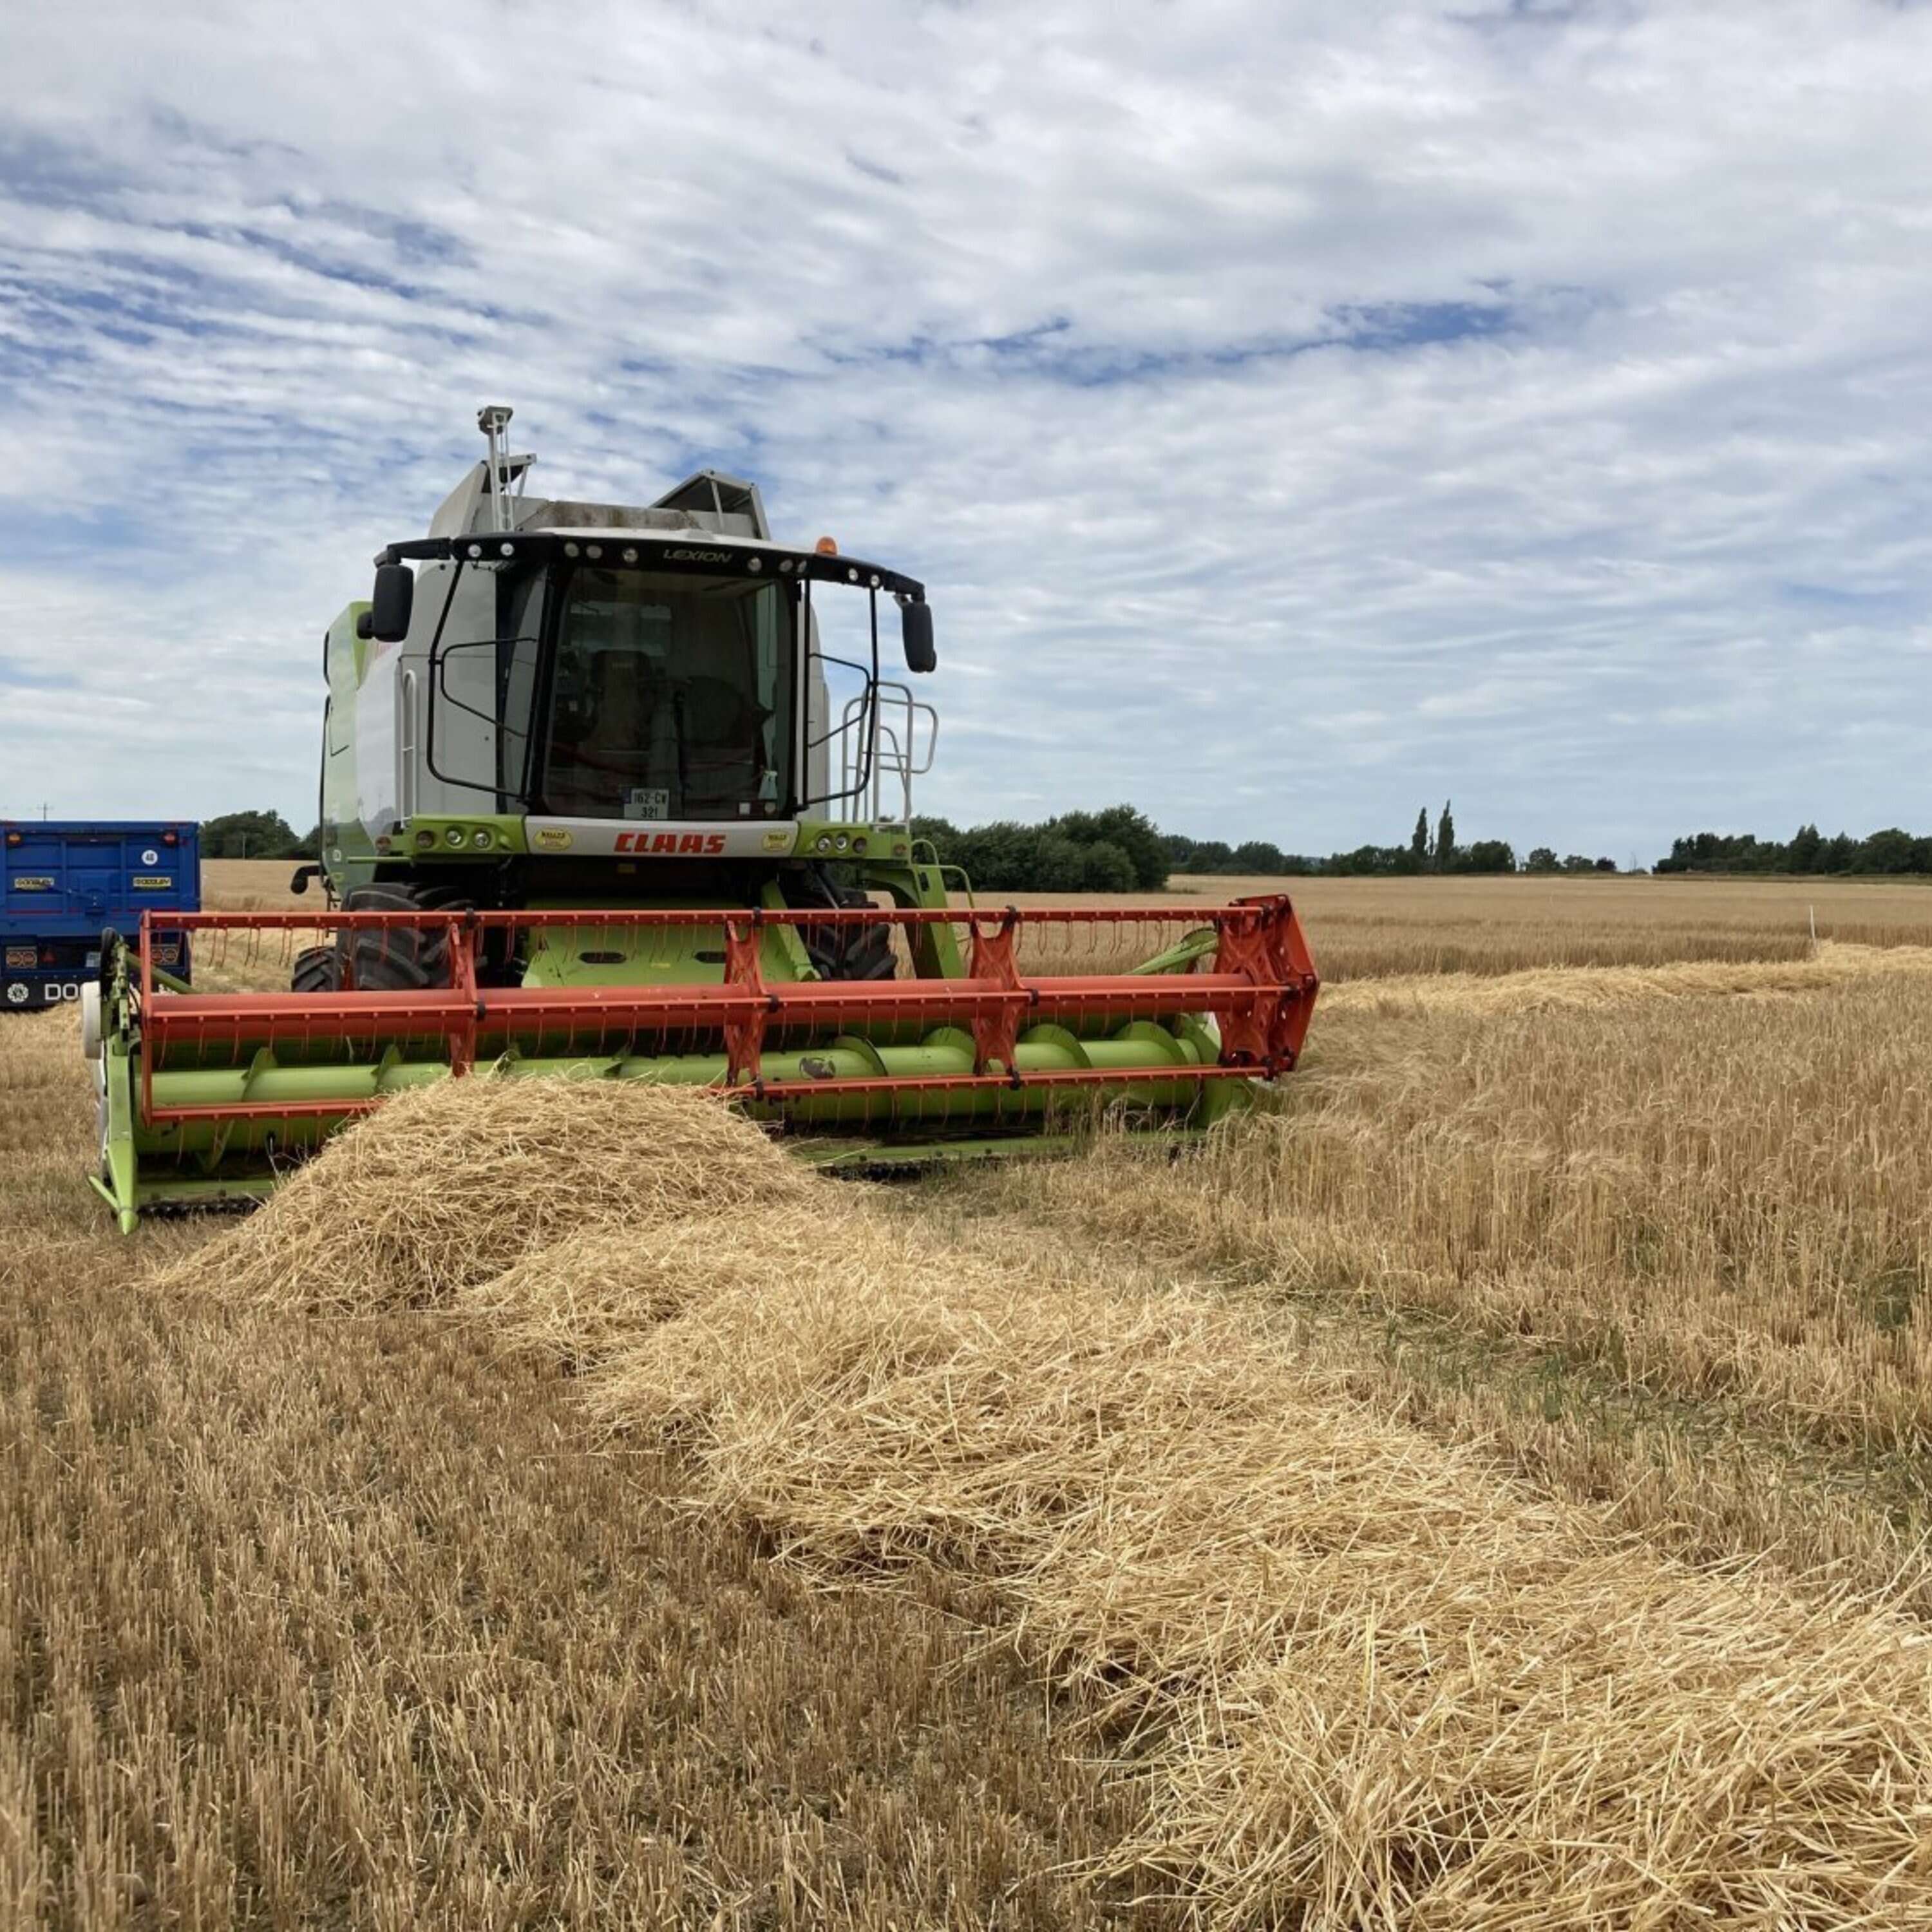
(685, 845)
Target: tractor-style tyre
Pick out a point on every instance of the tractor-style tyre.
(842, 952)
(318, 969)
(867, 950)
(383, 959)
(399, 959)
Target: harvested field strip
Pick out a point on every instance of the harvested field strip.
(1699, 1480)
(1542, 989)
(1722, 1199)
(1378, 1683)
(1356, 956)
(1669, 1254)
(355, 1624)
(1375, 928)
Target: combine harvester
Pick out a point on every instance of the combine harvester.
(598, 800)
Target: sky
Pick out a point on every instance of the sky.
(1299, 413)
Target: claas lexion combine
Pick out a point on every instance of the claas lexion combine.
(621, 793)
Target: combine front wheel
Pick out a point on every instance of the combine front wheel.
(383, 959)
(318, 969)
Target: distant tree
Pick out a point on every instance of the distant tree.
(1541, 859)
(1058, 865)
(1891, 851)
(1801, 854)
(248, 835)
(942, 831)
(309, 846)
(1129, 832)
(1421, 851)
(1607, 865)
(1487, 855)
(1003, 857)
(1577, 863)
(1260, 856)
(1210, 855)
(1116, 850)
(1368, 861)
(1105, 868)
(1723, 852)
(1445, 840)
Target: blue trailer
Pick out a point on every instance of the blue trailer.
(62, 882)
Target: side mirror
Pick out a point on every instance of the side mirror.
(390, 603)
(915, 628)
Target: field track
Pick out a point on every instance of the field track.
(1486, 1490)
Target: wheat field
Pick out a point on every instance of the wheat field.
(1485, 1486)
(1376, 928)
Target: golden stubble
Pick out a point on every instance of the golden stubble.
(1366, 1676)
(359, 1623)
(1464, 1496)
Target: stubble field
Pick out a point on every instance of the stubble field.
(1486, 1488)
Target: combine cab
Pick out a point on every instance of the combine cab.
(621, 793)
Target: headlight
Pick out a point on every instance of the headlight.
(480, 837)
(824, 842)
(454, 835)
(424, 840)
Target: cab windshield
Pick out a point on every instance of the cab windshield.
(670, 697)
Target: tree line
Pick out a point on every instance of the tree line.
(1891, 851)
(1119, 849)
(1430, 848)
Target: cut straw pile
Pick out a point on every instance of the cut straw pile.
(450, 1185)
(1374, 1683)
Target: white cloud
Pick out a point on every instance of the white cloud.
(1297, 411)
